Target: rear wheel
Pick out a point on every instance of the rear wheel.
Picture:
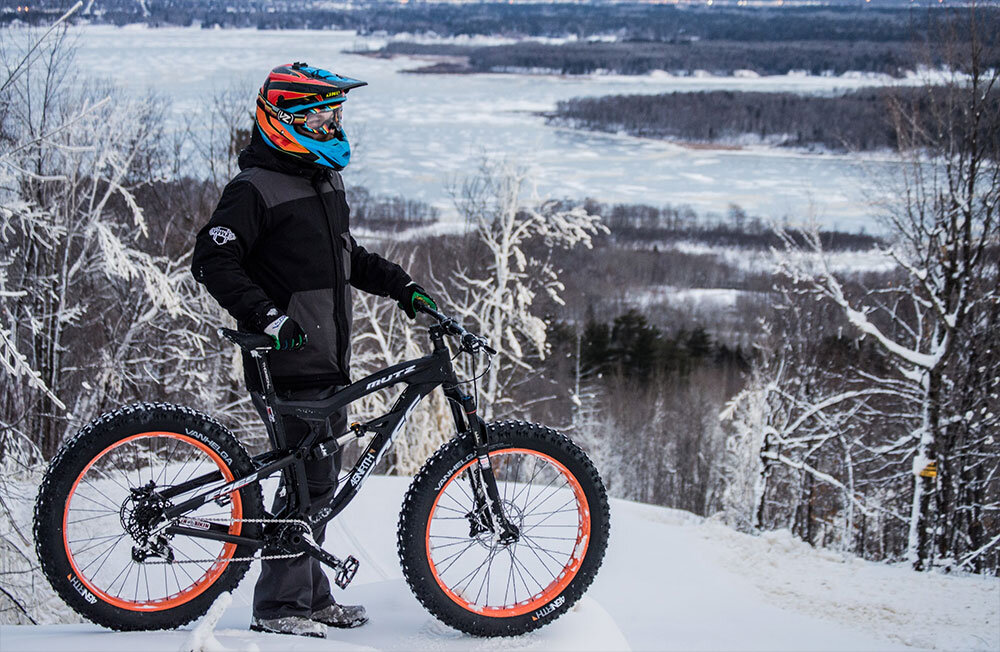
(463, 574)
(98, 529)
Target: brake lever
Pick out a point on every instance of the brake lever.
(472, 342)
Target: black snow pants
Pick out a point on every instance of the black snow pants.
(298, 587)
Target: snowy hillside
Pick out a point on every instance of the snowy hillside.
(671, 581)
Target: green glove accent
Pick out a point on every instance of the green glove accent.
(420, 296)
(415, 294)
(287, 335)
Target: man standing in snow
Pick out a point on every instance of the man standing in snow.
(278, 255)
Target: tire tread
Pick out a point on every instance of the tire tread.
(430, 596)
(48, 534)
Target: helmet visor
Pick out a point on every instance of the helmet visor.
(324, 119)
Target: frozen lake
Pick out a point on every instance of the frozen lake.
(416, 135)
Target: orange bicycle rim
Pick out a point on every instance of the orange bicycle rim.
(562, 580)
(185, 595)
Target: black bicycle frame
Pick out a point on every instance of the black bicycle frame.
(421, 376)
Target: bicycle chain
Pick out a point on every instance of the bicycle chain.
(302, 524)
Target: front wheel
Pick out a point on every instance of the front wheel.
(459, 568)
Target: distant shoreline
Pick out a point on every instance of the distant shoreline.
(857, 121)
(690, 58)
(450, 64)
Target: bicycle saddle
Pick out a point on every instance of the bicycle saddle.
(248, 341)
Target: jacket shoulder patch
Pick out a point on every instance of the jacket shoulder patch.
(221, 235)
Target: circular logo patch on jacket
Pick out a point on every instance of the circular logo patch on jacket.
(221, 235)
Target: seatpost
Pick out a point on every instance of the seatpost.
(275, 428)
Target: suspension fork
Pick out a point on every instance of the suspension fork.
(485, 480)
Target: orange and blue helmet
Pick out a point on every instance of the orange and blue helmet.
(299, 111)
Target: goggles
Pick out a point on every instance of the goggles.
(324, 119)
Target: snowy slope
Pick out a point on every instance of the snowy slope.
(671, 581)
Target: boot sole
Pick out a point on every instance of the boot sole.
(350, 625)
(258, 628)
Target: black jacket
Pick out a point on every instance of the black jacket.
(280, 238)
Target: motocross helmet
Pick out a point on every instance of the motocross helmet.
(299, 111)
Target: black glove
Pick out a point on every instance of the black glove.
(411, 294)
(287, 334)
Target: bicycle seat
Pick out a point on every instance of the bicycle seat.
(248, 341)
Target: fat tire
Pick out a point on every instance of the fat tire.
(419, 500)
(76, 453)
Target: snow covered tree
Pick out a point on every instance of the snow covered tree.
(491, 286)
(82, 288)
(385, 336)
(933, 319)
(505, 266)
(803, 452)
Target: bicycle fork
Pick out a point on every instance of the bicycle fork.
(484, 483)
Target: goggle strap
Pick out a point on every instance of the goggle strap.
(279, 114)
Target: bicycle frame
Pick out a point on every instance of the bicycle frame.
(422, 376)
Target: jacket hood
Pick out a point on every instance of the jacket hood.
(258, 154)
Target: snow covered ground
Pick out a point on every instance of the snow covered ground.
(766, 262)
(671, 581)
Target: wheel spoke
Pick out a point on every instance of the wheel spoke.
(474, 572)
(144, 463)
(459, 485)
(110, 500)
(454, 557)
(517, 561)
(539, 523)
(532, 545)
(452, 509)
(91, 547)
(486, 578)
(85, 497)
(527, 505)
(107, 556)
(455, 500)
(127, 568)
(533, 488)
(510, 575)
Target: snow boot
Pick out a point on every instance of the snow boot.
(295, 625)
(341, 615)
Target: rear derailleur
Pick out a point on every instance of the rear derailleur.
(142, 517)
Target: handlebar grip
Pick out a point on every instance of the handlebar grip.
(468, 339)
(422, 306)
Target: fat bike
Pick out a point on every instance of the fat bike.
(151, 511)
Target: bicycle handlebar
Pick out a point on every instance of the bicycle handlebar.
(470, 341)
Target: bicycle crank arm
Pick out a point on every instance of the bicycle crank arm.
(346, 569)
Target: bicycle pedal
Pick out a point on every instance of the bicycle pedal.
(348, 569)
